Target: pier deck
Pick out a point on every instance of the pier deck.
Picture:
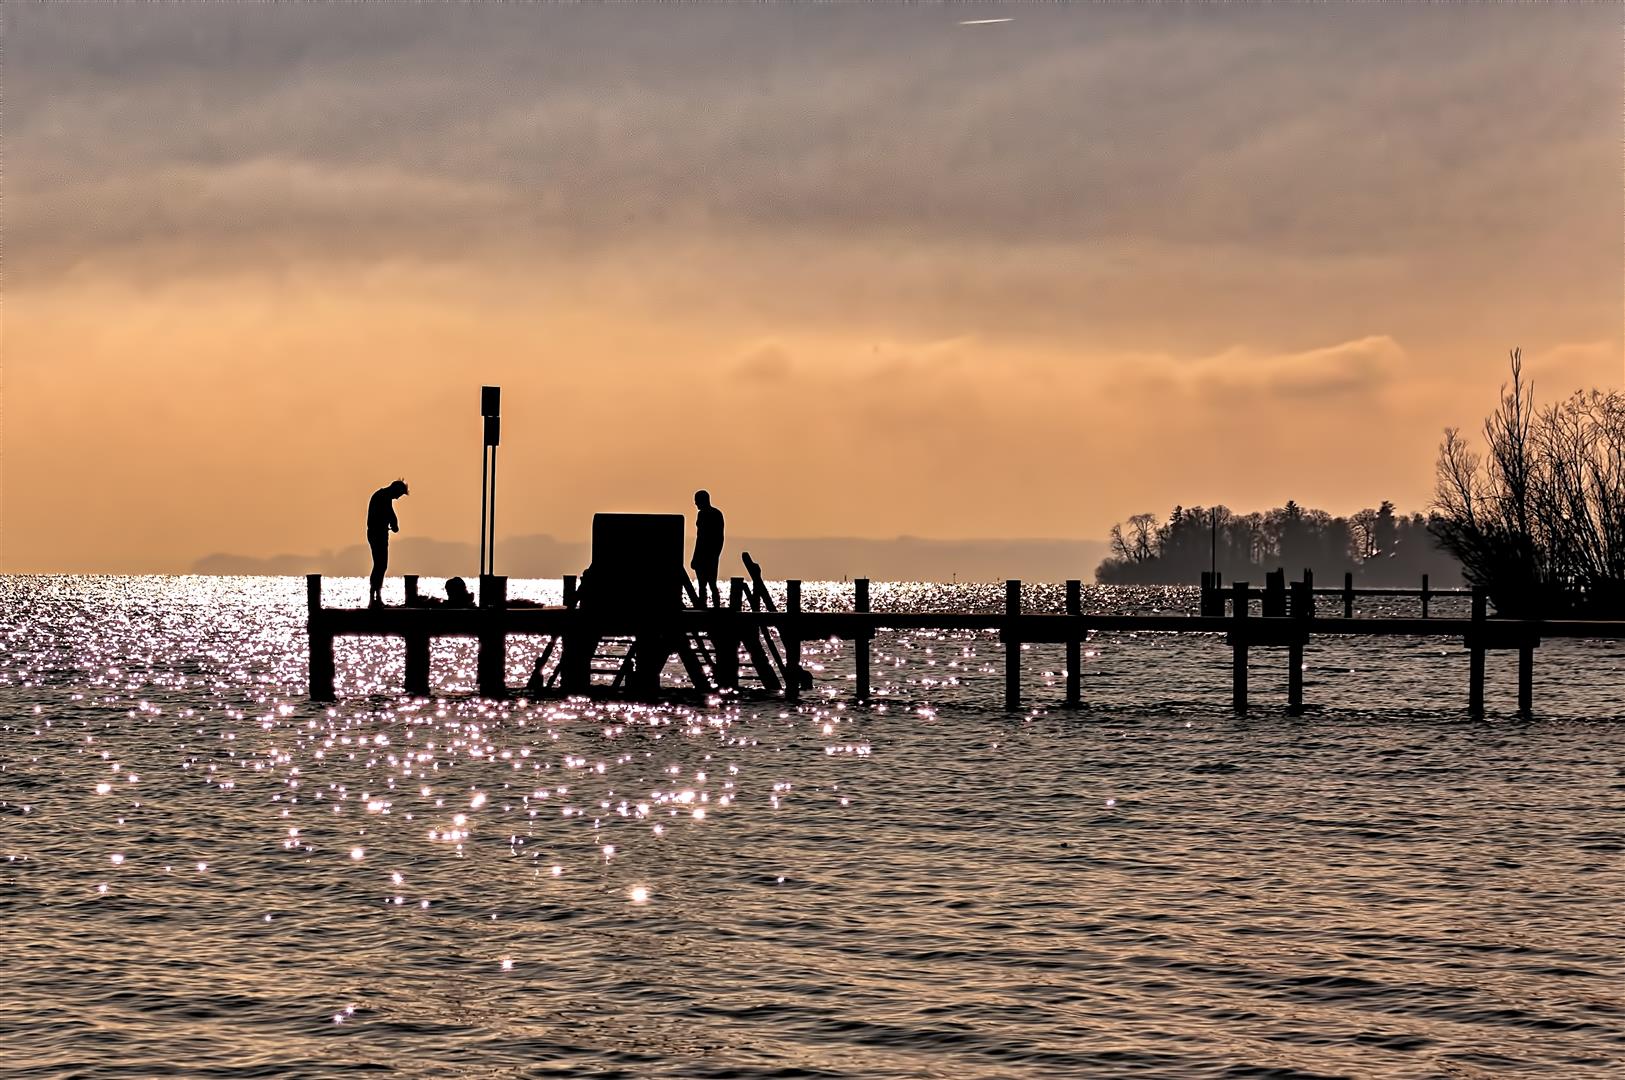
(727, 629)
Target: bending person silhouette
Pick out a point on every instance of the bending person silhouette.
(380, 523)
(707, 547)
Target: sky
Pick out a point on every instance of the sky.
(860, 271)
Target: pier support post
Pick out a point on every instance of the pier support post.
(411, 582)
(1475, 655)
(1348, 595)
(1012, 644)
(1274, 605)
(791, 633)
(492, 662)
(417, 663)
(860, 604)
(1074, 646)
(1425, 596)
(570, 591)
(727, 642)
(1238, 647)
(1302, 601)
(1526, 681)
(321, 642)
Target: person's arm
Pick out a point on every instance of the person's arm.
(394, 523)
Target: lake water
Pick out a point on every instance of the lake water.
(202, 874)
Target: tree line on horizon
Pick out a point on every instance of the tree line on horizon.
(1378, 545)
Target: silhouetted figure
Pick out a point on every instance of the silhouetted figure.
(380, 523)
(707, 547)
(457, 594)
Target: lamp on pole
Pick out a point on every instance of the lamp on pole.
(490, 409)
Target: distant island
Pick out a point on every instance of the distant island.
(1379, 546)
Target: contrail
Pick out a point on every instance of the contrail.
(982, 22)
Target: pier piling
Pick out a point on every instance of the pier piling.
(1526, 681)
(1074, 646)
(1238, 648)
(1302, 603)
(1348, 595)
(321, 642)
(1012, 644)
(492, 662)
(1475, 654)
(860, 645)
(791, 633)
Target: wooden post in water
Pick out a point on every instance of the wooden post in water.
(1425, 596)
(492, 662)
(1074, 646)
(1012, 644)
(1274, 602)
(1238, 647)
(791, 633)
(417, 663)
(860, 604)
(1475, 654)
(1348, 595)
(1526, 680)
(727, 642)
(321, 642)
(1302, 605)
(411, 581)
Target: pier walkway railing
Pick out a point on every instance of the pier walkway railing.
(1292, 629)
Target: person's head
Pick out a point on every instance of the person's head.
(457, 590)
(702, 499)
(397, 489)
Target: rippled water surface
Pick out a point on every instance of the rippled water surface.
(204, 874)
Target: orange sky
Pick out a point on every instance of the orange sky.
(859, 272)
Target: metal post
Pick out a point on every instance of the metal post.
(491, 561)
(1425, 596)
(1012, 644)
(485, 455)
(1348, 595)
(1074, 646)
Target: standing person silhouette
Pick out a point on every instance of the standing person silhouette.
(380, 523)
(707, 547)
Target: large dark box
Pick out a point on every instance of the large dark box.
(637, 563)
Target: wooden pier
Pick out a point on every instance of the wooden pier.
(715, 643)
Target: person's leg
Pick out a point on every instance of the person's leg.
(380, 563)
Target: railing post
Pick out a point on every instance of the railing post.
(1475, 654)
(791, 633)
(1302, 605)
(1012, 644)
(1348, 595)
(1238, 647)
(411, 581)
(321, 641)
(492, 661)
(1425, 596)
(860, 604)
(1074, 646)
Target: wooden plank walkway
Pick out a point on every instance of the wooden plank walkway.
(493, 622)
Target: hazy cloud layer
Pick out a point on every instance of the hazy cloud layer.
(864, 269)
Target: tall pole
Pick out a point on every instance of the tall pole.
(483, 482)
(490, 409)
(491, 561)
